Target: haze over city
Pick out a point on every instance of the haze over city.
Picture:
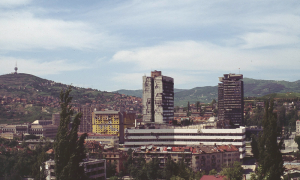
(110, 45)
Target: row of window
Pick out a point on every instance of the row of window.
(185, 140)
(185, 134)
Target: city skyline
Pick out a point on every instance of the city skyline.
(104, 45)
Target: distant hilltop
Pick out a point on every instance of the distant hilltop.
(28, 97)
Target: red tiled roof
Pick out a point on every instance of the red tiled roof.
(212, 177)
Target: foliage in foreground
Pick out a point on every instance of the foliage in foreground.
(68, 148)
(266, 149)
(17, 164)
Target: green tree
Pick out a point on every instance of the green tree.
(153, 170)
(254, 147)
(68, 148)
(213, 102)
(111, 169)
(170, 169)
(233, 171)
(177, 178)
(188, 109)
(213, 172)
(269, 157)
(297, 140)
(198, 105)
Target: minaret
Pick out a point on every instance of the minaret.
(16, 69)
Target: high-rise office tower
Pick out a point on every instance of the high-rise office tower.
(158, 98)
(231, 100)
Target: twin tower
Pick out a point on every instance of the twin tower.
(158, 98)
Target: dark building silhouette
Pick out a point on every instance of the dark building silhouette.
(231, 100)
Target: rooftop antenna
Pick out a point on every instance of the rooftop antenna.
(239, 71)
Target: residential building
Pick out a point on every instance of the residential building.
(111, 140)
(56, 119)
(175, 136)
(42, 122)
(94, 169)
(115, 156)
(198, 157)
(112, 122)
(86, 119)
(231, 100)
(158, 98)
(10, 135)
(49, 130)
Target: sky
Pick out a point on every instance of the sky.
(110, 44)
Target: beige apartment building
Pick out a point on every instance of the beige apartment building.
(199, 158)
(110, 140)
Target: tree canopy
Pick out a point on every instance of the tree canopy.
(68, 148)
(297, 140)
(266, 149)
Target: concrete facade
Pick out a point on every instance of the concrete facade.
(49, 130)
(104, 139)
(112, 122)
(158, 98)
(231, 100)
(199, 158)
(115, 156)
(94, 169)
(186, 137)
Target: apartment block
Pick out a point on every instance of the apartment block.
(158, 98)
(115, 156)
(86, 119)
(94, 169)
(56, 119)
(298, 128)
(110, 140)
(49, 130)
(231, 101)
(112, 122)
(199, 158)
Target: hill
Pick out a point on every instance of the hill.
(252, 88)
(25, 98)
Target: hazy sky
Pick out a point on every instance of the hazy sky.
(109, 45)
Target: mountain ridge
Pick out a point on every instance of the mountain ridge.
(252, 88)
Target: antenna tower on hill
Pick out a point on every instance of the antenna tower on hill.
(16, 69)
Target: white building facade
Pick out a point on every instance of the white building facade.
(186, 137)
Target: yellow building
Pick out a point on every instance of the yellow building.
(112, 122)
(106, 122)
